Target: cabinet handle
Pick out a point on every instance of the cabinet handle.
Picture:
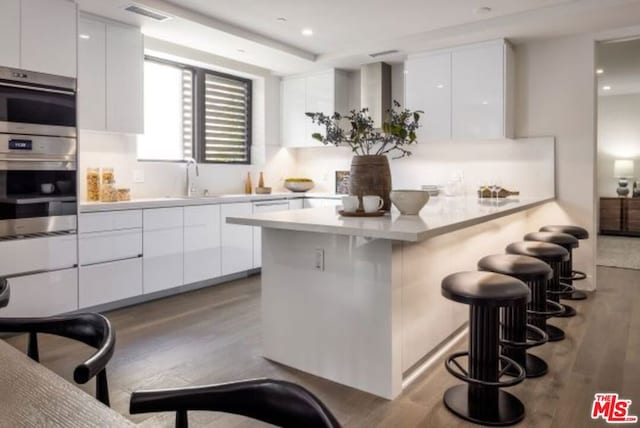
(37, 272)
(104, 262)
(271, 204)
(38, 88)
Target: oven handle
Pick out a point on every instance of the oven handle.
(37, 88)
(69, 158)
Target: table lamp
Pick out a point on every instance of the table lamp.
(623, 169)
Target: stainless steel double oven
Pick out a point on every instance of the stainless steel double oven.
(38, 154)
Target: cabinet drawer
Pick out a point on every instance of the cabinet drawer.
(43, 294)
(163, 218)
(112, 220)
(100, 247)
(28, 255)
(109, 282)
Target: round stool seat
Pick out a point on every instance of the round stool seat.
(540, 250)
(558, 238)
(485, 289)
(575, 231)
(524, 268)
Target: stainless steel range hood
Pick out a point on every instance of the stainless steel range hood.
(375, 90)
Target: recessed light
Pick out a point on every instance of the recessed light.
(440, 86)
(482, 10)
(281, 19)
(599, 71)
(307, 32)
(606, 88)
(84, 36)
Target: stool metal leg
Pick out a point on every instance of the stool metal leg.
(565, 272)
(514, 329)
(487, 405)
(539, 304)
(569, 277)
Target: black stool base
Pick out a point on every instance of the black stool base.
(534, 367)
(576, 295)
(568, 312)
(507, 411)
(555, 334)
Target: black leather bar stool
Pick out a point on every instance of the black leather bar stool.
(558, 288)
(553, 255)
(481, 400)
(515, 328)
(580, 234)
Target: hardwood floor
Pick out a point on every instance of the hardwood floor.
(212, 335)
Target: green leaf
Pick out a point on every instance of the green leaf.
(316, 136)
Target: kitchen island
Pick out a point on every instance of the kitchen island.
(357, 300)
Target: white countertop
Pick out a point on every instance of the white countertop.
(441, 215)
(167, 202)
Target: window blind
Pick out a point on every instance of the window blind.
(187, 113)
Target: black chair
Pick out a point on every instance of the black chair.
(563, 287)
(516, 331)
(5, 293)
(275, 402)
(91, 329)
(481, 400)
(580, 234)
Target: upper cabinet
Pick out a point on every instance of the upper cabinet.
(324, 92)
(39, 35)
(466, 92)
(110, 76)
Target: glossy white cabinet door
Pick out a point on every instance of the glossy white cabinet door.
(125, 87)
(261, 208)
(428, 88)
(99, 247)
(92, 63)
(163, 248)
(237, 240)
(478, 91)
(109, 282)
(320, 90)
(43, 294)
(48, 36)
(110, 220)
(10, 33)
(202, 245)
(294, 124)
(28, 255)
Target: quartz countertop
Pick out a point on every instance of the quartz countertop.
(168, 202)
(441, 215)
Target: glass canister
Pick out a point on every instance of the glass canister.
(107, 175)
(109, 192)
(93, 184)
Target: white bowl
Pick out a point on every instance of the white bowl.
(409, 202)
(299, 186)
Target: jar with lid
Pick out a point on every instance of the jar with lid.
(109, 192)
(93, 184)
(107, 175)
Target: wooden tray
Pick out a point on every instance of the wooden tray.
(362, 214)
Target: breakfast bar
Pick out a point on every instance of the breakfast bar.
(357, 300)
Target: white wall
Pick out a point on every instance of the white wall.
(618, 137)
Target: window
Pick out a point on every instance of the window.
(193, 112)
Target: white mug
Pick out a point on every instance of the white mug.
(350, 203)
(47, 188)
(372, 203)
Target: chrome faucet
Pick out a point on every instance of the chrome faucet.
(191, 188)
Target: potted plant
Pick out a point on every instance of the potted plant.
(370, 173)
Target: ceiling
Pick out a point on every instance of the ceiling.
(347, 31)
(620, 63)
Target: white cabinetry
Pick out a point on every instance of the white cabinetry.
(110, 76)
(163, 249)
(43, 294)
(261, 208)
(296, 204)
(202, 246)
(109, 282)
(10, 33)
(466, 92)
(38, 254)
(237, 240)
(321, 202)
(48, 36)
(324, 92)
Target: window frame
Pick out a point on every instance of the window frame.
(199, 112)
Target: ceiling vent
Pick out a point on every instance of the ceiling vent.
(146, 12)
(383, 53)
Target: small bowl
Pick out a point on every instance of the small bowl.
(263, 190)
(298, 186)
(64, 186)
(409, 202)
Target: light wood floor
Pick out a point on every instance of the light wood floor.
(212, 335)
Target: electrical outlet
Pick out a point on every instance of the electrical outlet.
(138, 175)
(319, 260)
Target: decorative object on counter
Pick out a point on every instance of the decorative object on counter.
(409, 202)
(350, 204)
(636, 191)
(372, 203)
(93, 184)
(263, 190)
(261, 180)
(500, 193)
(432, 189)
(623, 170)
(124, 194)
(370, 173)
(247, 184)
(342, 182)
(47, 188)
(298, 184)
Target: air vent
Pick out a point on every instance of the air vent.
(383, 53)
(145, 11)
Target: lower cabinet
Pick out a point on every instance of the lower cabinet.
(620, 216)
(43, 294)
(237, 240)
(202, 246)
(108, 282)
(162, 261)
(260, 208)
